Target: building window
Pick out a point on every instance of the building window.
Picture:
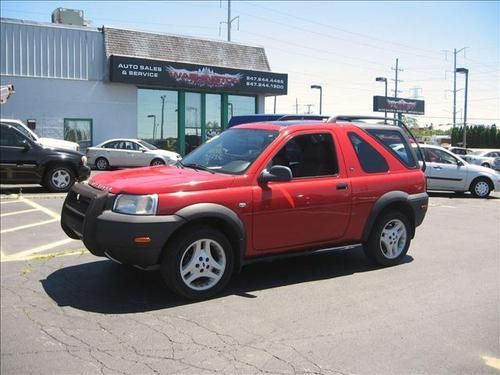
(78, 130)
(213, 115)
(240, 105)
(157, 120)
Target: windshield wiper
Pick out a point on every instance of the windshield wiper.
(197, 166)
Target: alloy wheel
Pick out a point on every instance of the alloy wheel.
(393, 238)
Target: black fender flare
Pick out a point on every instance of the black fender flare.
(382, 203)
(200, 211)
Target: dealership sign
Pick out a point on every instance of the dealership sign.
(191, 76)
(398, 105)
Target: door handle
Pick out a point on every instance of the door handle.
(342, 186)
(437, 167)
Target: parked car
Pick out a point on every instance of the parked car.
(486, 158)
(449, 172)
(128, 153)
(256, 192)
(25, 161)
(49, 142)
(460, 151)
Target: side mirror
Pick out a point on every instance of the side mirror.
(277, 173)
(460, 163)
(25, 145)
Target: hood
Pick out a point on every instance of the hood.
(59, 143)
(482, 170)
(160, 180)
(170, 154)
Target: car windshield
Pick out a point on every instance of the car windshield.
(147, 145)
(232, 152)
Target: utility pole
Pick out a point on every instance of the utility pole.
(229, 21)
(455, 52)
(296, 106)
(396, 80)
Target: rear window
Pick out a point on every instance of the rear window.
(370, 159)
(396, 144)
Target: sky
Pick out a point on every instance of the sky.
(342, 46)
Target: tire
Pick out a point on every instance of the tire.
(481, 187)
(390, 239)
(59, 179)
(157, 162)
(184, 272)
(102, 164)
(487, 165)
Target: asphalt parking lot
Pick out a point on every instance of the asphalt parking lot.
(66, 311)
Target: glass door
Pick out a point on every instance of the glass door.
(212, 115)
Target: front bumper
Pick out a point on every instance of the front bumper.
(87, 215)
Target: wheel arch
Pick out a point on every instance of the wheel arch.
(219, 217)
(54, 163)
(393, 200)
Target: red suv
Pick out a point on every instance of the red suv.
(258, 191)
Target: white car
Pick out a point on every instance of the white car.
(128, 153)
(446, 171)
(46, 142)
(486, 158)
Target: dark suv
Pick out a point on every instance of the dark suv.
(258, 191)
(23, 161)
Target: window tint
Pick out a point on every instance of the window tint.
(9, 137)
(492, 154)
(434, 155)
(308, 155)
(370, 159)
(396, 144)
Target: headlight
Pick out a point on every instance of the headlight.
(84, 160)
(136, 204)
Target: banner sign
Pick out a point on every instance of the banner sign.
(191, 76)
(398, 105)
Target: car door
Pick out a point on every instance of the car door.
(19, 157)
(135, 156)
(313, 207)
(119, 154)
(445, 171)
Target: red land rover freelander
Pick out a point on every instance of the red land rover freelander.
(257, 191)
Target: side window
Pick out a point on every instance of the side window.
(9, 137)
(396, 144)
(308, 155)
(110, 145)
(370, 159)
(492, 154)
(444, 158)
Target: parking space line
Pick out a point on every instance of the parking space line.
(11, 201)
(19, 212)
(51, 213)
(28, 226)
(26, 253)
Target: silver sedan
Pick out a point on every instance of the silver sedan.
(128, 153)
(486, 158)
(446, 171)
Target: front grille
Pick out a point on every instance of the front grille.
(78, 206)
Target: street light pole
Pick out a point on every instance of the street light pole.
(383, 79)
(320, 96)
(466, 72)
(154, 125)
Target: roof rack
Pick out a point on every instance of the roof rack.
(397, 122)
(302, 117)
